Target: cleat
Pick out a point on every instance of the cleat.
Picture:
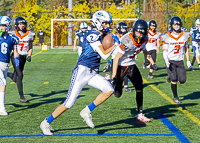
(106, 67)
(127, 89)
(3, 112)
(46, 128)
(177, 100)
(107, 76)
(85, 114)
(148, 66)
(150, 76)
(191, 68)
(23, 100)
(142, 118)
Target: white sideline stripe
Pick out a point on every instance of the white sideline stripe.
(51, 53)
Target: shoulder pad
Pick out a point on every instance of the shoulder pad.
(93, 36)
(32, 32)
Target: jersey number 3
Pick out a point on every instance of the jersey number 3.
(177, 48)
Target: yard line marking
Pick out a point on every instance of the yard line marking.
(173, 129)
(31, 56)
(192, 117)
(41, 135)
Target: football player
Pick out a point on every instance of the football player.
(8, 43)
(24, 48)
(195, 32)
(79, 35)
(153, 44)
(86, 72)
(122, 29)
(124, 63)
(173, 54)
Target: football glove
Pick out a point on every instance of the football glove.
(16, 59)
(154, 67)
(113, 81)
(29, 59)
(116, 39)
(188, 64)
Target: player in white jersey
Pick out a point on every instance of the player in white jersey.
(79, 36)
(195, 32)
(153, 44)
(173, 54)
(86, 72)
(124, 64)
(24, 48)
(122, 29)
(8, 43)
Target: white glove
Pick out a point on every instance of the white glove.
(188, 64)
(167, 63)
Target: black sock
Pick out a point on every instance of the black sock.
(150, 73)
(139, 100)
(174, 90)
(10, 75)
(20, 87)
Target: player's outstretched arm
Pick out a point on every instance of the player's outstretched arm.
(75, 41)
(115, 64)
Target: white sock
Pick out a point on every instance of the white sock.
(2, 99)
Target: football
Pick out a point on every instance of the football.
(107, 42)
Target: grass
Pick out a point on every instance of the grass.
(46, 82)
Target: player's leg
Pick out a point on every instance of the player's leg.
(107, 90)
(3, 74)
(19, 71)
(197, 55)
(153, 55)
(126, 88)
(13, 75)
(172, 72)
(136, 79)
(76, 85)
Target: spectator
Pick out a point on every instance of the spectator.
(41, 37)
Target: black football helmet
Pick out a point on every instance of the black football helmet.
(140, 26)
(176, 20)
(120, 26)
(153, 23)
(19, 20)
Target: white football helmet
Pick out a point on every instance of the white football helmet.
(197, 22)
(83, 25)
(100, 17)
(5, 20)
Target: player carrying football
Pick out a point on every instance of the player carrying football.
(80, 35)
(24, 48)
(86, 72)
(173, 54)
(124, 64)
(8, 43)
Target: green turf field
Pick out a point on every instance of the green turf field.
(46, 82)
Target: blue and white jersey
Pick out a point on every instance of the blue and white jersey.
(80, 35)
(182, 29)
(89, 57)
(7, 44)
(195, 31)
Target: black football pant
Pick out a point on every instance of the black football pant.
(17, 76)
(133, 74)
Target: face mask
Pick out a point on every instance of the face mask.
(1, 32)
